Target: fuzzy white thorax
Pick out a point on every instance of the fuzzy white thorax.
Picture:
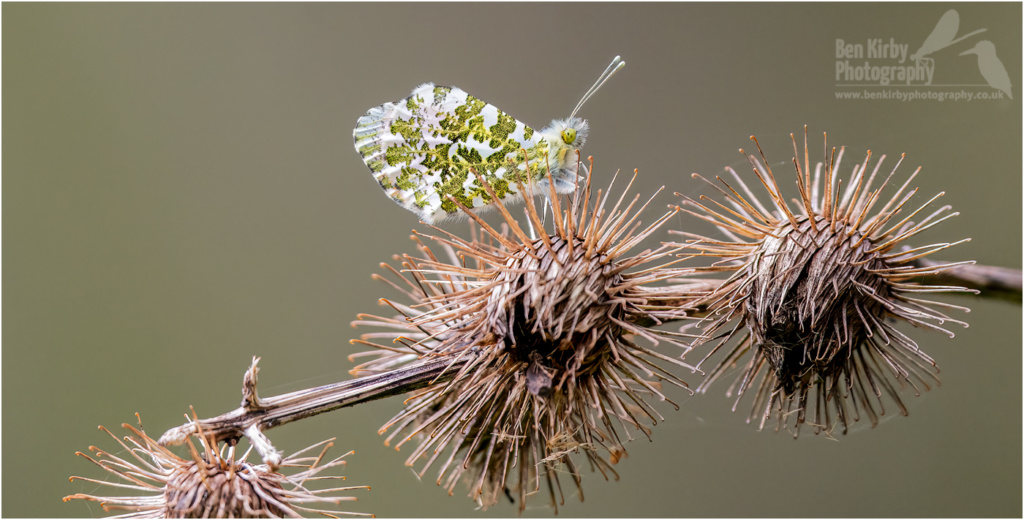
(562, 157)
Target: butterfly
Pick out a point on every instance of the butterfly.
(437, 144)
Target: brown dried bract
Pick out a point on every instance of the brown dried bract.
(557, 363)
(815, 290)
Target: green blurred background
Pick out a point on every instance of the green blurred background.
(180, 193)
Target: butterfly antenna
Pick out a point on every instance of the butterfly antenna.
(614, 67)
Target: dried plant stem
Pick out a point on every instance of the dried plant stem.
(993, 282)
(256, 414)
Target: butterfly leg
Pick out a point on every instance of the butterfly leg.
(544, 214)
(533, 232)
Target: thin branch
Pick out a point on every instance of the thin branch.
(994, 282)
(256, 414)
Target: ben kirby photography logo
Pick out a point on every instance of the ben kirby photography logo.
(882, 69)
(919, 71)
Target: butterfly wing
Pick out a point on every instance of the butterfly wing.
(426, 147)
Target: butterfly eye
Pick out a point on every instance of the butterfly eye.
(569, 135)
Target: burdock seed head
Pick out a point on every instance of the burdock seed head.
(211, 483)
(816, 288)
(550, 340)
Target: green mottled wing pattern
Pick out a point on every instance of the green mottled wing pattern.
(422, 149)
